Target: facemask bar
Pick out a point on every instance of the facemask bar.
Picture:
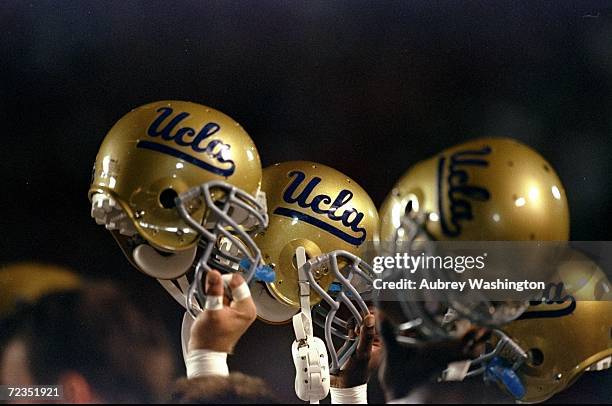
(507, 354)
(355, 268)
(339, 327)
(223, 225)
(412, 230)
(500, 365)
(419, 319)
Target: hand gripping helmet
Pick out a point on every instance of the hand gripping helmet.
(487, 189)
(558, 338)
(331, 216)
(171, 177)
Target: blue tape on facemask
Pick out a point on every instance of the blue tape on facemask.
(335, 287)
(499, 371)
(263, 273)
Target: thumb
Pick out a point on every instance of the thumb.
(366, 336)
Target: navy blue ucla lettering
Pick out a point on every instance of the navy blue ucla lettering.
(187, 137)
(548, 304)
(459, 192)
(325, 205)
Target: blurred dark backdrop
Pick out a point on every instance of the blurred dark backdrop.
(366, 87)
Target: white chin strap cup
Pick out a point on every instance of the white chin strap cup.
(163, 267)
(270, 310)
(309, 352)
(166, 269)
(312, 372)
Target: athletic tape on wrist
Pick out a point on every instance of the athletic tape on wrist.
(354, 395)
(206, 363)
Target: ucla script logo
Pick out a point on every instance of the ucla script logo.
(187, 137)
(459, 192)
(554, 302)
(348, 218)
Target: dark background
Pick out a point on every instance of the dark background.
(366, 87)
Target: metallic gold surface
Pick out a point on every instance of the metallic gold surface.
(356, 220)
(565, 342)
(26, 282)
(487, 189)
(173, 145)
(497, 189)
(582, 278)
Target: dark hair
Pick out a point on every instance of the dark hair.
(97, 332)
(236, 388)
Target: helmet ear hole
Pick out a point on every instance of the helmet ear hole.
(166, 198)
(412, 206)
(409, 207)
(536, 357)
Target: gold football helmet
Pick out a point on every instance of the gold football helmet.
(171, 176)
(26, 282)
(316, 207)
(328, 214)
(560, 337)
(487, 189)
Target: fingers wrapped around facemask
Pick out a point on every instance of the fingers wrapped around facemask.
(366, 336)
(237, 295)
(214, 291)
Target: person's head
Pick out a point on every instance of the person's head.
(23, 283)
(233, 389)
(93, 341)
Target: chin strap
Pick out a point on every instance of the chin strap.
(186, 333)
(309, 352)
(499, 366)
(177, 288)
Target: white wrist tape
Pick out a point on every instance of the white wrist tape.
(213, 303)
(354, 395)
(206, 363)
